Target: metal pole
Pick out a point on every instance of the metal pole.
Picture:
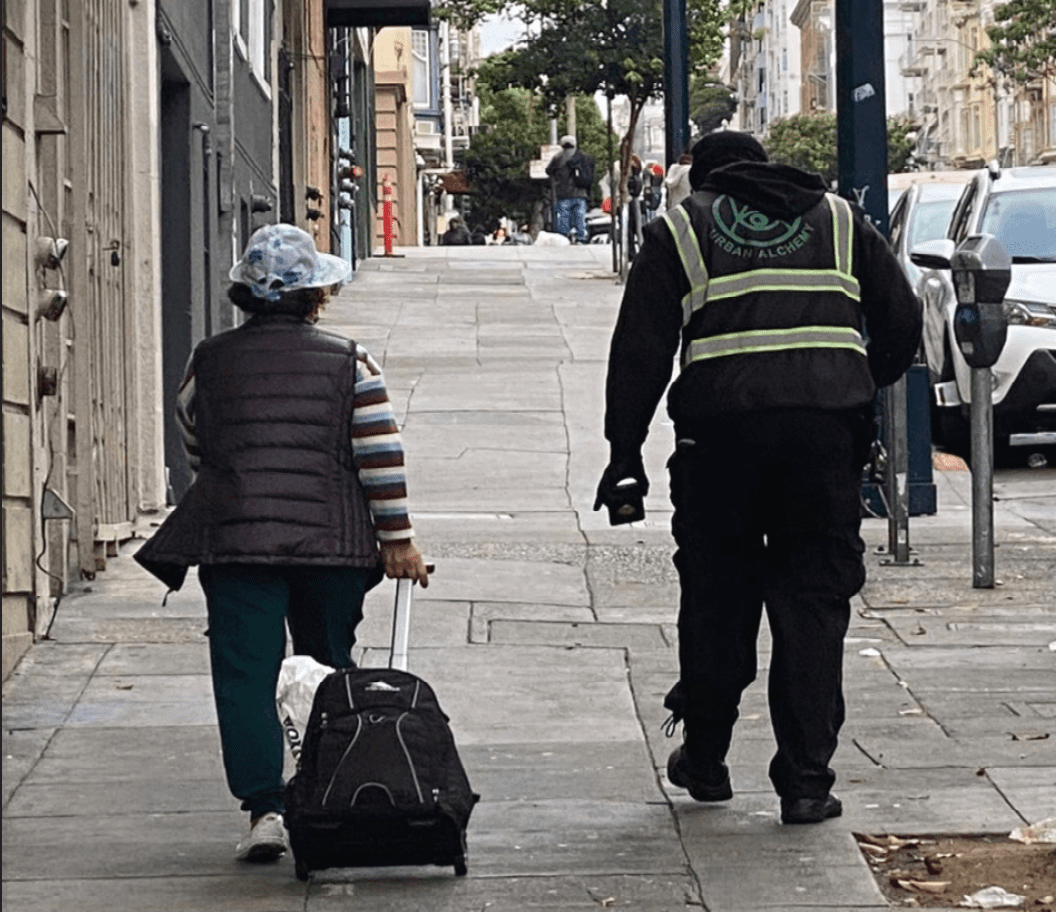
(676, 79)
(896, 434)
(612, 188)
(861, 121)
(982, 451)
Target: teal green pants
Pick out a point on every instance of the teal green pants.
(249, 609)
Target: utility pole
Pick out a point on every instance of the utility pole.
(861, 116)
(861, 138)
(676, 80)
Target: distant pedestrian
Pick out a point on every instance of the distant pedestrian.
(457, 234)
(653, 190)
(789, 310)
(635, 185)
(298, 504)
(676, 184)
(572, 174)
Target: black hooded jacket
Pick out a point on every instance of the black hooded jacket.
(649, 329)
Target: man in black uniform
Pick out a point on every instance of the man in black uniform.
(789, 310)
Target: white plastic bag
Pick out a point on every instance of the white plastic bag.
(992, 898)
(299, 678)
(550, 239)
(1042, 831)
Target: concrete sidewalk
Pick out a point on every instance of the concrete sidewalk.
(550, 640)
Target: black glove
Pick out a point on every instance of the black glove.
(617, 471)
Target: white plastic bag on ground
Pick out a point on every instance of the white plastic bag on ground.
(550, 239)
(299, 678)
(1042, 831)
(992, 898)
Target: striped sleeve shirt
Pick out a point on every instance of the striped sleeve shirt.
(377, 452)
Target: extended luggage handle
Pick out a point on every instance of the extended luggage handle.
(401, 621)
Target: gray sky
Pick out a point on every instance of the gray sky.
(498, 32)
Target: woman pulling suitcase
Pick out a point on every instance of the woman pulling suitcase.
(298, 506)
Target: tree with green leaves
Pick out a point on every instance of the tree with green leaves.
(710, 103)
(496, 162)
(580, 47)
(808, 141)
(1022, 41)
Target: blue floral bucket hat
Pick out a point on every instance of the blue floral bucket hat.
(281, 258)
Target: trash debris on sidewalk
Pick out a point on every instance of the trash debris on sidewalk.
(924, 886)
(1042, 831)
(988, 871)
(992, 898)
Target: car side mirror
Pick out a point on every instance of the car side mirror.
(933, 254)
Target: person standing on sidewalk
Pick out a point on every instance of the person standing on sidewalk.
(790, 310)
(676, 184)
(572, 175)
(297, 507)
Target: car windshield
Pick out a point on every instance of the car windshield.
(931, 217)
(1024, 221)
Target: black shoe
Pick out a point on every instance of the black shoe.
(712, 783)
(810, 810)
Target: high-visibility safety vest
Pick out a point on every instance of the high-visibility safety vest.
(773, 308)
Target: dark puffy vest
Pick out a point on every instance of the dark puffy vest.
(276, 484)
(773, 317)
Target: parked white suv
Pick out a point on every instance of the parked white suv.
(1018, 207)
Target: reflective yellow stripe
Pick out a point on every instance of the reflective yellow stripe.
(756, 280)
(768, 340)
(689, 252)
(842, 232)
(703, 289)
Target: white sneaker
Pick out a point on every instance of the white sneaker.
(265, 841)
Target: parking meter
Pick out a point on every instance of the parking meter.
(982, 271)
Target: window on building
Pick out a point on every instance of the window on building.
(251, 25)
(421, 82)
(256, 39)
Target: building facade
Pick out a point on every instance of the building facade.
(83, 434)
(142, 144)
(969, 115)
(764, 63)
(964, 114)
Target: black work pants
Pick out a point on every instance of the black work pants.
(767, 512)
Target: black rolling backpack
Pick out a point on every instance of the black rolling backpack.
(379, 781)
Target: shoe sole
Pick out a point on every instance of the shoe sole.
(264, 853)
(722, 792)
(828, 813)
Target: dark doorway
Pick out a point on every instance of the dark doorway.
(176, 260)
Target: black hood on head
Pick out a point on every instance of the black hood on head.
(779, 191)
(721, 148)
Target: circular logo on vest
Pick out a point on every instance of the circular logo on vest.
(748, 227)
